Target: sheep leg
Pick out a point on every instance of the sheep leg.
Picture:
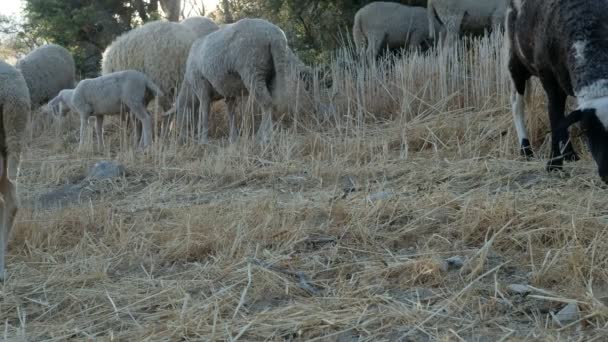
(561, 148)
(231, 108)
(99, 130)
(519, 77)
(203, 92)
(84, 118)
(8, 211)
(261, 94)
(146, 122)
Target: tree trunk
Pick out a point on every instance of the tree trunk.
(227, 12)
(172, 9)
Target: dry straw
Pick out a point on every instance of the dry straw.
(337, 230)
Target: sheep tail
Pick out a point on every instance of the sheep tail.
(431, 15)
(358, 35)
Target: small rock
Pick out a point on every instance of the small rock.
(378, 196)
(567, 314)
(455, 262)
(106, 170)
(519, 289)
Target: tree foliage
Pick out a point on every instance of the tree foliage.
(314, 27)
(85, 27)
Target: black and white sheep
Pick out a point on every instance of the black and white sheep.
(47, 70)
(247, 57)
(14, 111)
(563, 43)
(388, 25)
(109, 95)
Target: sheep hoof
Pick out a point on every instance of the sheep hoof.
(556, 164)
(570, 155)
(526, 149)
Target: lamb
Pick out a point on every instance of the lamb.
(391, 25)
(106, 95)
(15, 109)
(249, 56)
(47, 70)
(465, 16)
(158, 49)
(201, 26)
(562, 43)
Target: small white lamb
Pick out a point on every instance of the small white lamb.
(106, 95)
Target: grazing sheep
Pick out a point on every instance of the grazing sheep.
(381, 25)
(562, 43)
(15, 109)
(201, 26)
(62, 103)
(465, 16)
(47, 70)
(106, 95)
(158, 49)
(247, 57)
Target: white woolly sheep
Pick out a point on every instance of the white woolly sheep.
(381, 25)
(15, 110)
(47, 70)
(465, 16)
(562, 43)
(247, 57)
(108, 95)
(201, 26)
(159, 49)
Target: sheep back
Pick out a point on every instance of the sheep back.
(47, 70)
(15, 109)
(158, 49)
(201, 26)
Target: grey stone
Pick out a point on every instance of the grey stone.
(455, 262)
(519, 289)
(382, 195)
(567, 314)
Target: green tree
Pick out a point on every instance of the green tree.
(85, 27)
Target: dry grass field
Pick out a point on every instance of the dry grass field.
(338, 230)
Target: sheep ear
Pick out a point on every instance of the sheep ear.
(572, 118)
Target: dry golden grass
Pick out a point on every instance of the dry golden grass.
(336, 231)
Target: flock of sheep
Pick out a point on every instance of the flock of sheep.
(197, 62)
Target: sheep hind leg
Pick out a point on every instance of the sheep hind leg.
(231, 108)
(561, 146)
(520, 77)
(8, 211)
(145, 118)
(99, 131)
(259, 89)
(84, 121)
(203, 93)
